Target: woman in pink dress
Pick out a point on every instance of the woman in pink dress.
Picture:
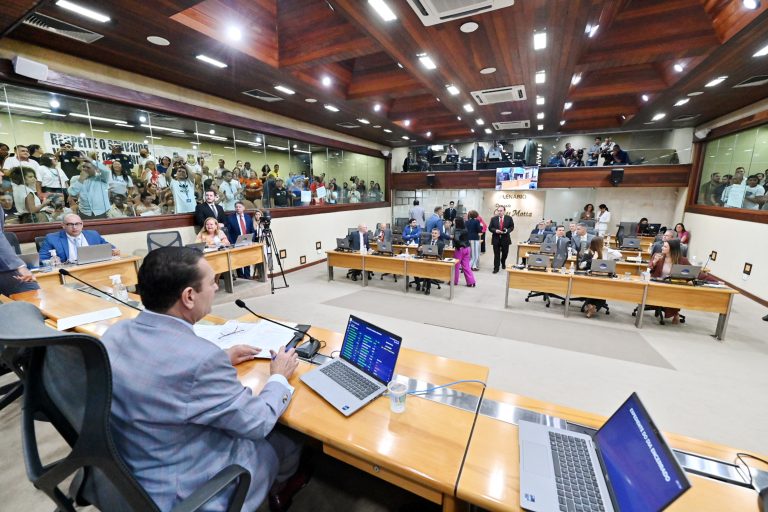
(462, 253)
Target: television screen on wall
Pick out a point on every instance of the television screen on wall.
(517, 178)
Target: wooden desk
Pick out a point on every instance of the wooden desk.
(448, 252)
(420, 450)
(547, 282)
(96, 274)
(632, 290)
(645, 242)
(633, 268)
(490, 477)
(226, 261)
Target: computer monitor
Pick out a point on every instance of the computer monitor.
(451, 159)
(351, 230)
(652, 229)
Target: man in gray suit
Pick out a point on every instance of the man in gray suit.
(581, 239)
(561, 246)
(15, 277)
(179, 413)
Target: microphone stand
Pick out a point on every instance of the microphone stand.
(65, 272)
(305, 351)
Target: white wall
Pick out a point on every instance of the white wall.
(736, 242)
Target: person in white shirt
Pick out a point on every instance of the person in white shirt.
(119, 182)
(144, 157)
(734, 194)
(603, 218)
(753, 190)
(52, 179)
(21, 159)
(183, 190)
(229, 190)
(192, 165)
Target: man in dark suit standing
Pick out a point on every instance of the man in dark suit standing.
(450, 212)
(209, 209)
(240, 224)
(358, 241)
(501, 226)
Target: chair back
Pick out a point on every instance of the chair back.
(157, 239)
(13, 240)
(39, 242)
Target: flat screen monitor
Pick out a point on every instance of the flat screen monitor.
(517, 178)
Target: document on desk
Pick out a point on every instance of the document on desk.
(264, 335)
(69, 322)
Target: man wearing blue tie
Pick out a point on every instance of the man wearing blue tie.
(240, 224)
(69, 239)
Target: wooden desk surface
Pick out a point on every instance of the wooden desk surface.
(420, 449)
(491, 475)
(95, 273)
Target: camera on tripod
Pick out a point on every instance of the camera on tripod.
(266, 219)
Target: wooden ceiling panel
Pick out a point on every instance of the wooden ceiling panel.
(382, 83)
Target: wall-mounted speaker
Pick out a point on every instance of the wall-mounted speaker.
(617, 176)
(431, 180)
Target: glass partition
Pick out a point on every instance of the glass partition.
(136, 155)
(733, 171)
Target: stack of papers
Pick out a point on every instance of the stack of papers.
(264, 335)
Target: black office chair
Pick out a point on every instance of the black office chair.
(68, 382)
(157, 239)
(39, 242)
(13, 240)
(658, 312)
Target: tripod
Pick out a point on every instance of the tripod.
(269, 240)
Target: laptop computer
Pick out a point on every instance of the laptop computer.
(244, 240)
(362, 371)
(536, 238)
(200, 246)
(547, 248)
(384, 247)
(652, 229)
(94, 253)
(684, 272)
(538, 261)
(630, 243)
(342, 244)
(430, 251)
(626, 465)
(31, 260)
(603, 267)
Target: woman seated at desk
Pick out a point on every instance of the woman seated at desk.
(682, 234)
(211, 235)
(661, 266)
(594, 252)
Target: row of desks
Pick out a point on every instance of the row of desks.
(634, 290)
(423, 449)
(635, 268)
(98, 274)
(413, 267)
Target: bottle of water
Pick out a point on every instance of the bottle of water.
(118, 288)
(571, 269)
(55, 260)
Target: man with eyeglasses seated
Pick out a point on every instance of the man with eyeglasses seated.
(67, 241)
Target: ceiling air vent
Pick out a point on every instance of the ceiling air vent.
(511, 125)
(753, 81)
(61, 28)
(685, 117)
(432, 12)
(348, 125)
(500, 94)
(263, 96)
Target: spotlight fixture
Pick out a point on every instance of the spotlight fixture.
(576, 79)
(678, 67)
(539, 100)
(377, 107)
(568, 105)
(54, 103)
(540, 41)
(644, 97)
(429, 134)
(234, 33)
(480, 121)
(540, 115)
(562, 123)
(541, 77)
(468, 107)
(488, 131)
(751, 4)
(469, 27)
(540, 127)
(427, 61)
(326, 81)
(487, 71)
(593, 30)
(452, 89)
(407, 122)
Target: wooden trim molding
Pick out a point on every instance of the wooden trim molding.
(749, 295)
(300, 267)
(739, 125)
(27, 232)
(759, 216)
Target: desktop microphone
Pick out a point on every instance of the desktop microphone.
(65, 272)
(305, 351)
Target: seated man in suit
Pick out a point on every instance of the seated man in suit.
(423, 283)
(240, 223)
(659, 244)
(72, 236)
(571, 231)
(204, 419)
(383, 232)
(15, 277)
(209, 208)
(358, 241)
(581, 239)
(540, 229)
(561, 246)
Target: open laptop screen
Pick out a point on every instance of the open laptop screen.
(371, 349)
(642, 470)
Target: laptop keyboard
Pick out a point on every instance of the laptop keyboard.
(577, 488)
(349, 379)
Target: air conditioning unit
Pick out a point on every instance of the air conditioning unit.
(500, 94)
(511, 125)
(433, 12)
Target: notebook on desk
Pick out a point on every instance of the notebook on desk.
(627, 465)
(31, 260)
(684, 272)
(244, 240)
(536, 238)
(630, 243)
(365, 365)
(93, 253)
(538, 261)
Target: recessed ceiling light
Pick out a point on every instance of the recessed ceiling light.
(387, 130)
(326, 81)
(212, 62)
(284, 89)
(568, 105)
(363, 121)
(377, 126)
(539, 100)
(83, 11)
(540, 115)
(469, 27)
(143, 119)
(575, 79)
(480, 121)
(399, 65)
(54, 103)
(82, 134)
(659, 116)
(212, 132)
(751, 4)
(427, 61)
(376, 107)
(540, 127)
(311, 100)
(506, 113)
(488, 131)
(695, 93)
(644, 97)
(382, 9)
(678, 67)
(234, 33)
(588, 28)
(438, 99)
(105, 119)
(540, 41)
(331, 108)
(716, 81)
(159, 41)
(468, 108)
(452, 89)
(562, 122)
(472, 130)
(487, 71)
(407, 122)
(38, 122)
(405, 137)
(258, 139)
(682, 102)
(429, 134)
(762, 52)
(593, 30)
(458, 117)
(541, 77)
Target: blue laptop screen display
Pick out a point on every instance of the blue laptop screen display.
(642, 470)
(371, 349)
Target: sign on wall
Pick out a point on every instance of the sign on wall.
(525, 207)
